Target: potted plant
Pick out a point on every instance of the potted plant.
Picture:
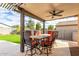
(38, 27)
(50, 27)
(31, 26)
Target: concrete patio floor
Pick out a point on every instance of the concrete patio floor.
(8, 48)
(60, 48)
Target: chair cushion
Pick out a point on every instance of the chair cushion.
(50, 40)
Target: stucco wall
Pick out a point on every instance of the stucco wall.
(68, 22)
(67, 28)
(67, 32)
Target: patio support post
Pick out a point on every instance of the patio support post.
(43, 27)
(22, 31)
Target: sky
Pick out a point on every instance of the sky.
(11, 18)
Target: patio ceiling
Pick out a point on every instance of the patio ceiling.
(40, 10)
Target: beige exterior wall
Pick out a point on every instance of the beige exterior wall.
(69, 26)
(4, 31)
(68, 22)
(74, 34)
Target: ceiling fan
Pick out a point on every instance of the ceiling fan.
(55, 12)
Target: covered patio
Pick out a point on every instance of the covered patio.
(44, 12)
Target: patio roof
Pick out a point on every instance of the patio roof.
(40, 10)
(10, 6)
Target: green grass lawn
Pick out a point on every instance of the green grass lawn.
(12, 38)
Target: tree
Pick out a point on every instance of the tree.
(38, 26)
(50, 27)
(17, 29)
(30, 24)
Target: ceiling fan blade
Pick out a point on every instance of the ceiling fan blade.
(58, 15)
(59, 12)
(50, 12)
(54, 11)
